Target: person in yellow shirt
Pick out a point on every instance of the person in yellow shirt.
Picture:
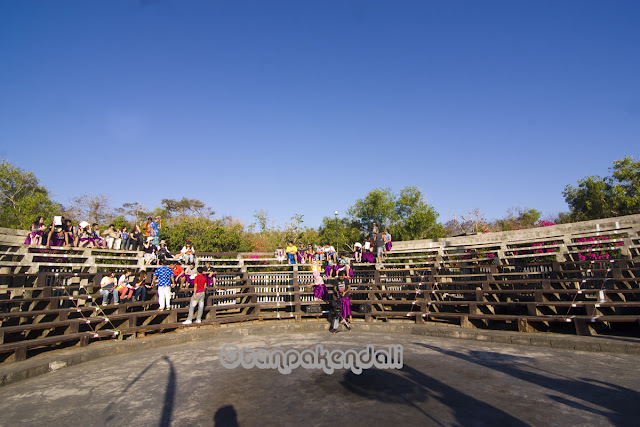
(291, 251)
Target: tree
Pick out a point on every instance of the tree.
(186, 208)
(22, 198)
(415, 219)
(347, 233)
(91, 208)
(517, 219)
(406, 215)
(597, 197)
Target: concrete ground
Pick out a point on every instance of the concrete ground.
(442, 382)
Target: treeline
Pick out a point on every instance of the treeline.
(404, 214)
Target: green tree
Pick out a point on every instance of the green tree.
(206, 235)
(22, 198)
(406, 215)
(415, 219)
(615, 195)
(379, 206)
(345, 234)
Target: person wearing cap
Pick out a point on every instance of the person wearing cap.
(187, 253)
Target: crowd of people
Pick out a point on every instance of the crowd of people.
(373, 250)
(145, 238)
(133, 287)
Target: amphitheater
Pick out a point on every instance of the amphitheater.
(549, 318)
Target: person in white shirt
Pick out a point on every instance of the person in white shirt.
(187, 253)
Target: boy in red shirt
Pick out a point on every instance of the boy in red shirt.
(199, 285)
(178, 272)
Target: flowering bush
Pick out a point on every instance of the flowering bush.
(600, 249)
(543, 223)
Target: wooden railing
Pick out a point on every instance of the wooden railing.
(546, 283)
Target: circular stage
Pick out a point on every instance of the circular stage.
(441, 382)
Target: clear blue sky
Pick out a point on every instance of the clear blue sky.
(302, 107)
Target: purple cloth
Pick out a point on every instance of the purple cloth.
(32, 235)
(328, 269)
(320, 291)
(56, 241)
(388, 246)
(368, 257)
(346, 305)
(210, 279)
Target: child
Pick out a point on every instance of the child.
(280, 254)
(36, 232)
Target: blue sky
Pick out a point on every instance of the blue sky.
(302, 107)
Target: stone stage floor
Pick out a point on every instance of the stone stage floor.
(442, 382)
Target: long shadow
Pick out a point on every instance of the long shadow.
(619, 402)
(169, 395)
(410, 387)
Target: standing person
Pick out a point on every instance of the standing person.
(164, 278)
(108, 286)
(146, 229)
(156, 225)
(340, 304)
(379, 246)
(200, 283)
(387, 241)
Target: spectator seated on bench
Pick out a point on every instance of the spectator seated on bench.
(36, 232)
(190, 274)
(163, 253)
(187, 253)
(149, 252)
(141, 287)
(112, 237)
(125, 288)
(108, 286)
